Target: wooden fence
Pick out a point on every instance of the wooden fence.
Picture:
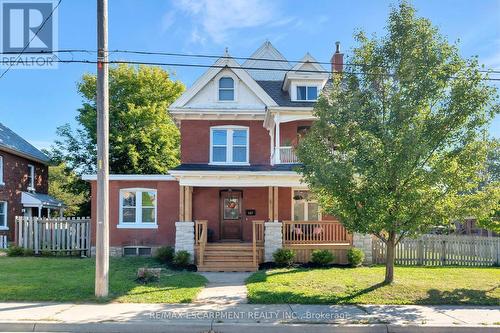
(3, 242)
(441, 250)
(54, 234)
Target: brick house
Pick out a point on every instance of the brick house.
(236, 186)
(23, 182)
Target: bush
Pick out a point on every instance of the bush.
(46, 253)
(355, 256)
(165, 254)
(28, 252)
(284, 257)
(148, 275)
(322, 257)
(182, 258)
(15, 251)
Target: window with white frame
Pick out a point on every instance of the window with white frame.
(138, 208)
(307, 93)
(226, 89)
(229, 145)
(31, 177)
(1, 170)
(305, 207)
(3, 215)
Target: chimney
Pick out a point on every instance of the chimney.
(337, 60)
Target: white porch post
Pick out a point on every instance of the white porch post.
(48, 212)
(40, 211)
(272, 150)
(278, 143)
(61, 212)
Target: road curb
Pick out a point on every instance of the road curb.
(190, 327)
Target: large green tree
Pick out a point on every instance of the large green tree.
(398, 138)
(66, 186)
(142, 136)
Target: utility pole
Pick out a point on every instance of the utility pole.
(102, 200)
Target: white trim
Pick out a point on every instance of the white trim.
(133, 177)
(138, 224)
(1, 171)
(212, 72)
(239, 178)
(306, 207)
(5, 225)
(31, 175)
(229, 144)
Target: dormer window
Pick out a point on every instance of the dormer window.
(307, 93)
(229, 145)
(226, 89)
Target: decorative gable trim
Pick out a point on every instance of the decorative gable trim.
(220, 64)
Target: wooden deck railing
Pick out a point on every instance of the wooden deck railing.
(315, 232)
(201, 238)
(257, 240)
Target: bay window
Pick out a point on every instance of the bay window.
(138, 208)
(229, 145)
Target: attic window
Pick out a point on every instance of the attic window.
(226, 89)
(307, 93)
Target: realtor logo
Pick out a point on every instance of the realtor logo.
(28, 28)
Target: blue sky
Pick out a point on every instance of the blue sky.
(35, 102)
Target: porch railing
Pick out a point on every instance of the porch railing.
(285, 155)
(201, 238)
(315, 232)
(257, 240)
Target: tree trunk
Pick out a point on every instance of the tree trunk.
(389, 259)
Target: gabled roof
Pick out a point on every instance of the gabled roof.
(224, 62)
(271, 58)
(15, 144)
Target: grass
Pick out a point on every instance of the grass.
(413, 285)
(72, 280)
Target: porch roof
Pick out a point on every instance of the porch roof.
(33, 199)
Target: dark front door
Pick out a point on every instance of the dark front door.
(230, 212)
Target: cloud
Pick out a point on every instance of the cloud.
(167, 20)
(217, 19)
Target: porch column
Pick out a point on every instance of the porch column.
(40, 211)
(277, 139)
(364, 243)
(273, 239)
(184, 228)
(275, 203)
(271, 134)
(270, 206)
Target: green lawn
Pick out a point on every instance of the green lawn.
(413, 285)
(72, 280)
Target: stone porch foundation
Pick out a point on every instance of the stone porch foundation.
(184, 237)
(273, 239)
(364, 243)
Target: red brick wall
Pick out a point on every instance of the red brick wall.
(167, 214)
(288, 131)
(15, 177)
(195, 140)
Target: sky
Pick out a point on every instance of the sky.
(34, 103)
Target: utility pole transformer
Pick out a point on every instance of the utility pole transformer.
(102, 200)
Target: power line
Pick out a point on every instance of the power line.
(133, 62)
(212, 56)
(32, 38)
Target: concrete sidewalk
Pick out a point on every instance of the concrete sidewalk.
(115, 317)
(224, 288)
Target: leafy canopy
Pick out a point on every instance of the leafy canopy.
(398, 140)
(142, 136)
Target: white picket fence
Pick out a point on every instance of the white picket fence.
(54, 234)
(441, 250)
(3, 242)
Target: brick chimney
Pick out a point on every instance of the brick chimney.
(337, 60)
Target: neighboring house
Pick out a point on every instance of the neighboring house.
(238, 126)
(23, 182)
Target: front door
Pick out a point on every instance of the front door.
(230, 212)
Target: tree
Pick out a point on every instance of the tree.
(142, 136)
(66, 186)
(398, 136)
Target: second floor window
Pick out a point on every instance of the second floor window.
(226, 89)
(229, 145)
(31, 177)
(307, 93)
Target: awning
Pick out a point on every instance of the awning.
(33, 199)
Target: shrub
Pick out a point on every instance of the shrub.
(182, 258)
(355, 256)
(284, 257)
(148, 275)
(28, 252)
(46, 253)
(15, 251)
(165, 254)
(322, 257)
